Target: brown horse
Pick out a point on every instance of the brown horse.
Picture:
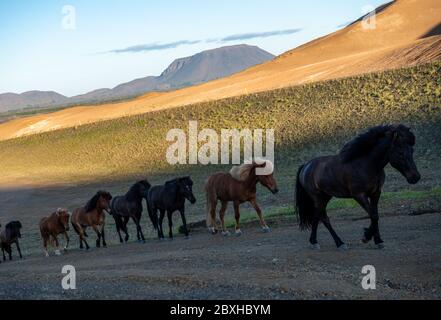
(92, 215)
(238, 186)
(53, 225)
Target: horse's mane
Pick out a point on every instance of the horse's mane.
(363, 143)
(242, 172)
(175, 181)
(135, 189)
(92, 203)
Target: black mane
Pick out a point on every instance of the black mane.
(364, 143)
(92, 203)
(135, 191)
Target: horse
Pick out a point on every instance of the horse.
(357, 172)
(130, 206)
(238, 186)
(92, 215)
(53, 225)
(10, 235)
(170, 198)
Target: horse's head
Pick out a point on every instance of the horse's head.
(267, 180)
(103, 201)
(185, 188)
(401, 153)
(63, 216)
(13, 230)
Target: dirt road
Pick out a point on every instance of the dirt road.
(278, 265)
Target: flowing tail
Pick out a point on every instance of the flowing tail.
(304, 206)
(153, 216)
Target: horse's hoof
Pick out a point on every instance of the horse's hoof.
(343, 247)
(226, 233)
(266, 229)
(212, 230)
(187, 237)
(57, 253)
(315, 246)
(238, 233)
(365, 241)
(380, 246)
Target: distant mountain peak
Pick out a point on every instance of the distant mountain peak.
(199, 68)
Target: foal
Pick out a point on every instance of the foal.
(10, 235)
(238, 186)
(92, 215)
(53, 225)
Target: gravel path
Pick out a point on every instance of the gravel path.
(278, 265)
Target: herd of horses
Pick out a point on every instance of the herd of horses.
(356, 172)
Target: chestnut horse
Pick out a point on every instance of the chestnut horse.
(238, 186)
(92, 215)
(357, 172)
(53, 225)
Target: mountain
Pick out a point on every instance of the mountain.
(11, 101)
(407, 32)
(202, 67)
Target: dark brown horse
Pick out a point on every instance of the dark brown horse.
(52, 226)
(356, 172)
(238, 186)
(92, 215)
(10, 235)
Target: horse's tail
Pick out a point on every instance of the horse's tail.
(304, 206)
(153, 216)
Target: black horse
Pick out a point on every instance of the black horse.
(356, 172)
(10, 235)
(123, 208)
(170, 198)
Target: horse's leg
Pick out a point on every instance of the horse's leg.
(313, 237)
(10, 251)
(98, 234)
(327, 223)
(124, 228)
(372, 210)
(118, 229)
(212, 204)
(170, 224)
(66, 237)
(46, 253)
(237, 217)
(139, 233)
(161, 218)
(103, 236)
(83, 236)
(263, 224)
(184, 220)
(18, 249)
(3, 250)
(56, 244)
(222, 218)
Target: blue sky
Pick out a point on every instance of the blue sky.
(116, 41)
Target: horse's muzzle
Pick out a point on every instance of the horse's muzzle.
(414, 178)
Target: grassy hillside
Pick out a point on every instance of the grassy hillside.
(309, 120)
(317, 117)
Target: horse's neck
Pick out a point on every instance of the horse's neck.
(379, 157)
(251, 182)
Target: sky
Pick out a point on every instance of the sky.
(73, 47)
